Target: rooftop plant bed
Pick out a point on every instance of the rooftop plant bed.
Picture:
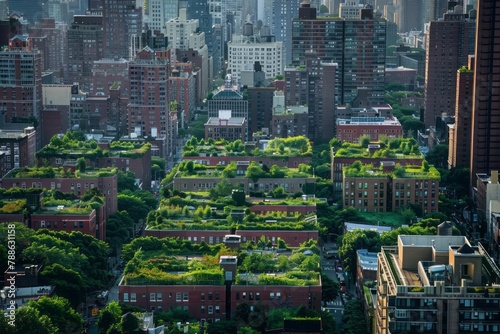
(74, 145)
(389, 148)
(426, 171)
(11, 207)
(152, 262)
(54, 172)
(278, 147)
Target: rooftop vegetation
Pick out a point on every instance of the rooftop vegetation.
(167, 261)
(74, 144)
(389, 148)
(278, 147)
(426, 171)
(54, 172)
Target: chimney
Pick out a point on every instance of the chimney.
(494, 177)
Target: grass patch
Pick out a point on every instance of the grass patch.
(383, 218)
(393, 269)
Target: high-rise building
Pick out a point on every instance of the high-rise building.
(437, 8)
(122, 21)
(161, 11)
(51, 38)
(447, 43)
(314, 85)
(460, 133)
(283, 12)
(31, 10)
(436, 284)
(408, 15)
(356, 45)
(485, 147)
(21, 79)
(84, 47)
(245, 50)
(149, 99)
(4, 9)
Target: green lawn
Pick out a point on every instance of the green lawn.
(384, 218)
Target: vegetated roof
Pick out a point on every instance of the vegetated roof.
(389, 148)
(277, 148)
(161, 267)
(54, 172)
(357, 169)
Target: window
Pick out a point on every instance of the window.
(278, 295)
(210, 309)
(178, 297)
(186, 296)
(125, 297)
(210, 296)
(271, 295)
(159, 297)
(152, 297)
(133, 297)
(217, 296)
(202, 310)
(202, 296)
(257, 296)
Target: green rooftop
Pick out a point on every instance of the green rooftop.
(278, 148)
(59, 172)
(426, 171)
(399, 148)
(172, 263)
(75, 145)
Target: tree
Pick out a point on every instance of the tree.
(364, 140)
(134, 206)
(223, 327)
(278, 192)
(129, 323)
(328, 322)
(352, 241)
(438, 156)
(254, 171)
(323, 9)
(221, 189)
(126, 180)
(354, 318)
(29, 320)
(230, 170)
(60, 312)
(81, 164)
(109, 316)
(276, 172)
(330, 289)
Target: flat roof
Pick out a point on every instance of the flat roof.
(349, 227)
(441, 243)
(233, 121)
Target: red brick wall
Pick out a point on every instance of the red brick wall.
(303, 209)
(66, 222)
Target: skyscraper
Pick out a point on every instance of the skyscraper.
(447, 50)
(21, 79)
(356, 45)
(84, 47)
(283, 13)
(121, 21)
(485, 147)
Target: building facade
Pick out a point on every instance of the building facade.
(350, 130)
(433, 284)
(229, 128)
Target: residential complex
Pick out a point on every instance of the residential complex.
(350, 130)
(436, 284)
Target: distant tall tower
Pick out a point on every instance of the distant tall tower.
(31, 9)
(283, 13)
(356, 45)
(4, 9)
(485, 148)
(21, 79)
(460, 132)
(121, 22)
(447, 50)
(437, 9)
(408, 15)
(161, 11)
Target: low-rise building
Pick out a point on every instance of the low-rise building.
(214, 293)
(18, 146)
(391, 188)
(436, 284)
(226, 127)
(350, 130)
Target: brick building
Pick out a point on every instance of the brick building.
(228, 128)
(290, 162)
(18, 146)
(350, 130)
(107, 184)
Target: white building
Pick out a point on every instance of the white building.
(244, 51)
(182, 33)
(161, 11)
(350, 9)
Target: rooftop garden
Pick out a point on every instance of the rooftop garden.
(202, 217)
(54, 172)
(74, 144)
(174, 261)
(54, 201)
(389, 148)
(188, 168)
(278, 147)
(426, 171)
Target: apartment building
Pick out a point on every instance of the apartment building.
(436, 284)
